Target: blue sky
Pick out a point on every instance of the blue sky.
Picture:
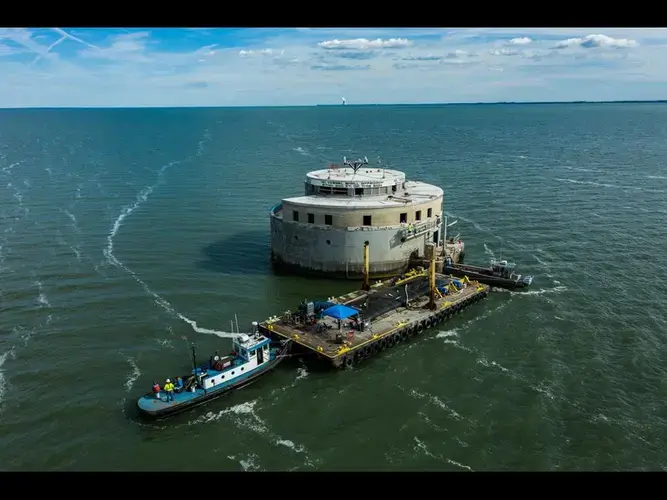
(305, 66)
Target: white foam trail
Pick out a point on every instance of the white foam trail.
(543, 291)
(3, 380)
(202, 143)
(453, 333)
(165, 343)
(542, 263)
(301, 373)
(302, 151)
(613, 186)
(134, 374)
(61, 240)
(142, 197)
(244, 415)
(477, 226)
(72, 217)
(42, 298)
(8, 169)
(489, 252)
(437, 402)
(249, 464)
(457, 464)
(421, 446)
(580, 169)
(485, 362)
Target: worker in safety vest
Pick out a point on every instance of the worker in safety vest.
(156, 389)
(169, 388)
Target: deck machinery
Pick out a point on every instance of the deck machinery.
(346, 330)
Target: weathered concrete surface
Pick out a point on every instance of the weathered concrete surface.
(338, 252)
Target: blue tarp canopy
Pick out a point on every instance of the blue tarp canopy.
(339, 311)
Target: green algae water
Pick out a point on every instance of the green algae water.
(127, 234)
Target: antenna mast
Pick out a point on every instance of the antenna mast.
(355, 165)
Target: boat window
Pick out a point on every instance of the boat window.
(242, 368)
(232, 373)
(266, 347)
(251, 353)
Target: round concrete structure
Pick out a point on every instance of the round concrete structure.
(324, 231)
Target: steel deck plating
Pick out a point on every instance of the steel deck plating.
(384, 312)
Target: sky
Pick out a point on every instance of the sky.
(130, 67)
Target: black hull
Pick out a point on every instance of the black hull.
(484, 278)
(207, 398)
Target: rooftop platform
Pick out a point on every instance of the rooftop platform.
(362, 177)
(415, 192)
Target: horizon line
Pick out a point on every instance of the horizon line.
(339, 105)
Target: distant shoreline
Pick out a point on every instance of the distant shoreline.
(434, 104)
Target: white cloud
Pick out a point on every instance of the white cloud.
(263, 52)
(365, 44)
(506, 52)
(289, 66)
(595, 41)
(522, 40)
(126, 47)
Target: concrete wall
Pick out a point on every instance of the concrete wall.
(345, 216)
(331, 251)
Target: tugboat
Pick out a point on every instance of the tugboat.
(499, 274)
(253, 355)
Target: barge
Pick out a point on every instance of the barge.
(346, 330)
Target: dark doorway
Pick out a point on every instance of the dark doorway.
(260, 355)
(435, 236)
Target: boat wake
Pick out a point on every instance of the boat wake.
(142, 197)
(3, 381)
(451, 338)
(437, 402)
(556, 289)
(244, 416)
(420, 447)
(24, 335)
(134, 374)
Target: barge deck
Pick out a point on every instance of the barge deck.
(346, 330)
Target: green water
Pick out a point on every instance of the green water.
(125, 232)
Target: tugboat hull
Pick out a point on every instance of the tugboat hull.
(155, 407)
